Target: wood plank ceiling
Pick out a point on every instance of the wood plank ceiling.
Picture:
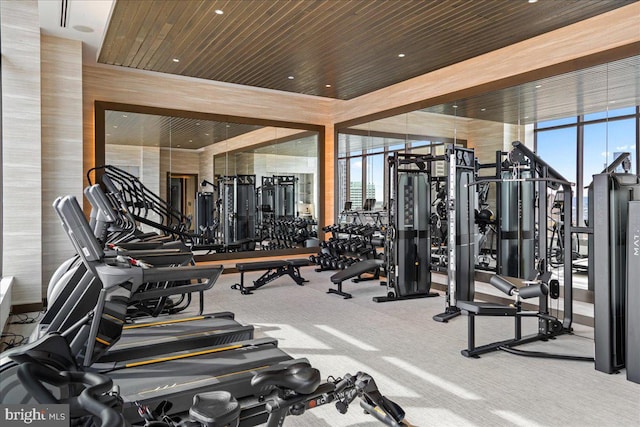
(338, 49)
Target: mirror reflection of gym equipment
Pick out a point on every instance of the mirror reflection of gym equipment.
(181, 193)
(237, 194)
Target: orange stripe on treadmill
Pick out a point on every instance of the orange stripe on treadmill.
(101, 341)
(164, 322)
(182, 356)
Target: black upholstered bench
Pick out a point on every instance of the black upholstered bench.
(473, 309)
(355, 270)
(274, 269)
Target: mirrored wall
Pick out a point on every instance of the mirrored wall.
(229, 186)
(578, 122)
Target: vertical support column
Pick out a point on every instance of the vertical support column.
(21, 149)
(62, 172)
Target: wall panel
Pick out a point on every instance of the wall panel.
(21, 149)
(62, 172)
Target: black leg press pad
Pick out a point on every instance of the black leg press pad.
(274, 269)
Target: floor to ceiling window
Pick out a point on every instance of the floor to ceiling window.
(580, 147)
(362, 167)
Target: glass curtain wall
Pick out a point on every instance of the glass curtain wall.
(582, 146)
(577, 122)
(362, 164)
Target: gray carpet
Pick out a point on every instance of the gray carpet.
(416, 361)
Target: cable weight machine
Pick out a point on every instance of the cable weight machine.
(408, 237)
(206, 213)
(238, 210)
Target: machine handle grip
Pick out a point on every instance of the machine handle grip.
(171, 274)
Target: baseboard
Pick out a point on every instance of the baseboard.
(6, 283)
(27, 308)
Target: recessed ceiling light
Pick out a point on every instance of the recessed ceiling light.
(206, 134)
(197, 124)
(290, 77)
(612, 102)
(83, 28)
(219, 11)
(533, 1)
(455, 106)
(125, 116)
(108, 134)
(327, 85)
(191, 140)
(526, 117)
(538, 86)
(176, 60)
(178, 145)
(483, 109)
(115, 126)
(401, 55)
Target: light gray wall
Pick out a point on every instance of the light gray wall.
(21, 145)
(62, 171)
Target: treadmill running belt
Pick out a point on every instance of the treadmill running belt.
(150, 341)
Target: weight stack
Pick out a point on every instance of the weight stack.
(633, 293)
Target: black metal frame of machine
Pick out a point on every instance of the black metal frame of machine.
(612, 202)
(408, 241)
(529, 168)
(238, 208)
(460, 234)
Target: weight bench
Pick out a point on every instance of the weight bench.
(357, 269)
(275, 269)
(473, 309)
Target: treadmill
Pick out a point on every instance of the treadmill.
(150, 383)
(174, 376)
(81, 293)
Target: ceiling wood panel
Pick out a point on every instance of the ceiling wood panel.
(351, 45)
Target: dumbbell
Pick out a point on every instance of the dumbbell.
(341, 245)
(336, 245)
(357, 245)
(326, 261)
(343, 263)
(348, 261)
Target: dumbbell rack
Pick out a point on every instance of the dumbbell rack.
(348, 244)
(287, 233)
